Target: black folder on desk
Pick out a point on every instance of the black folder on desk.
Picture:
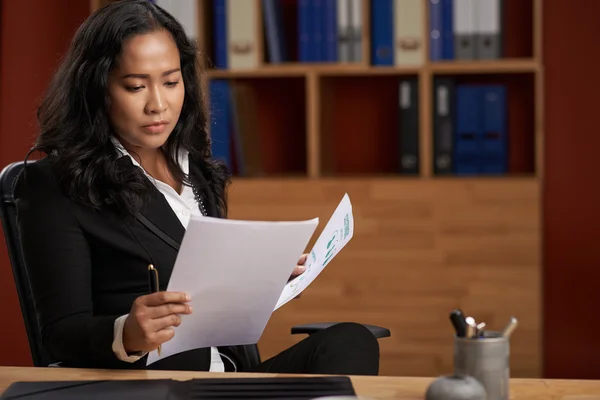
(167, 389)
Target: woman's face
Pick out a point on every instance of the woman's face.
(146, 91)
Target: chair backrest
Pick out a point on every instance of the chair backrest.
(8, 215)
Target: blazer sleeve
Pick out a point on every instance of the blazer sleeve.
(58, 260)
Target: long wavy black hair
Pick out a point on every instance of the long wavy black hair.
(75, 129)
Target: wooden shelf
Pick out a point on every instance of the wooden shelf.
(389, 178)
(486, 67)
(454, 67)
(265, 72)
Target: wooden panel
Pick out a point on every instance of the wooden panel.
(518, 28)
(571, 193)
(421, 247)
(425, 102)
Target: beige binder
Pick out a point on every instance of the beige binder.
(409, 40)
(242, 34)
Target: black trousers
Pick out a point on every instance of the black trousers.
(342, 349)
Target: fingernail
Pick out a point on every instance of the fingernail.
(188, 297)
(190, 309)
(301, 268)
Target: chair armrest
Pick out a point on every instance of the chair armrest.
(378, 331)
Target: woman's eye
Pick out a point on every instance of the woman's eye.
(172, 84)
(134, 88)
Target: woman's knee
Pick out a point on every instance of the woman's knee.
(354, 335)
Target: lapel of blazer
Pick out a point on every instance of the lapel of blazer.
(160, 214)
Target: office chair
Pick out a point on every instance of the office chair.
(41, 358)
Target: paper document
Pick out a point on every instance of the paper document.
(336, 234)
(234, 272)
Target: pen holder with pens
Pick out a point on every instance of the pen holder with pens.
(481, 363)
(487, 359)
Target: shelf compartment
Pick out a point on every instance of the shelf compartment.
(268, 129)
(359, 125)
(520, 123)
(516, 27)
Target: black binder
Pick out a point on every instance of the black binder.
(444, 109)
(409, 126)
(167, 389)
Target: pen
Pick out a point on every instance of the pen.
(512, 325)
(458, 321)
(471, 327)
(154, 288)
(479, 331)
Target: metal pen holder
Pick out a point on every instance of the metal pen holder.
(487, 359)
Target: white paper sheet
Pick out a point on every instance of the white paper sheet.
(336, 234)
(234, 272)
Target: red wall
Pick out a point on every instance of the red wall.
(34, 33)
(571, 197)
(33, 36)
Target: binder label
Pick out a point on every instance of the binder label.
(405, 95)
(442, 100)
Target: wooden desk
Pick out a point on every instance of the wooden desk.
(381, 387)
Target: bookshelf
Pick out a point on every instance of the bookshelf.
(424, 243)
(520, 69)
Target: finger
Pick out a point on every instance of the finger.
(298, 270)
(160, 337)
(160, 298)
(302, 259)
(172, 320)
(168, 309)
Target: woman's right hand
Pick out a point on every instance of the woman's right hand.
(151, 319)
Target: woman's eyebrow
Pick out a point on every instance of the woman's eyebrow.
(146, 76)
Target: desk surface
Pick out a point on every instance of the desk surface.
(381, 387)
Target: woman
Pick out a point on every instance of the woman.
(127, 163)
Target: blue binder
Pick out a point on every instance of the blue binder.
(220, 33)
(220, 120)
(436, 30)
(494, 147)
(466, 148)
(274, 33)
(481, 130)
(330, 27)
(305, 33)
(317, 36)
(447, 29)
(382, 32)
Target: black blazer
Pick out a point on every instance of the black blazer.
(87, 267)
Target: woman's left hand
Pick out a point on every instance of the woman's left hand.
(299, 270)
